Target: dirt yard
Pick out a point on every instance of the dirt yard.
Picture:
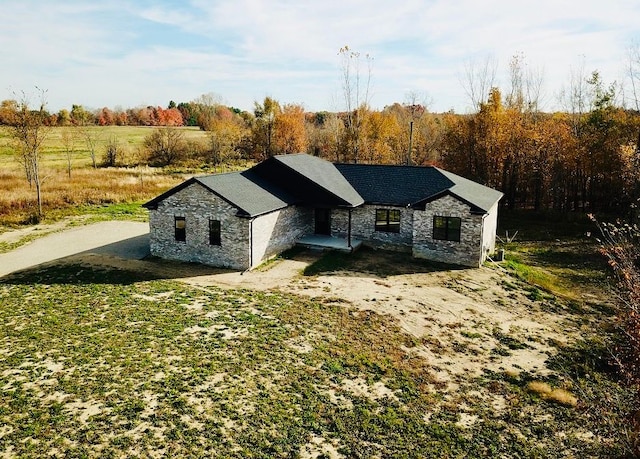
(466, 321)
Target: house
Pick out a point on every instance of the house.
(237, 220)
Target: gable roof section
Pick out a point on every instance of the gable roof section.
(414, 186)
(394, 185)
(242, 190)
(284, 180)
(315, 181)
(479, 196)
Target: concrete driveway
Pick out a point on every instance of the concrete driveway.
(118, 238)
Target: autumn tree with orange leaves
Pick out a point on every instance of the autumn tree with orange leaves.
(290, 135)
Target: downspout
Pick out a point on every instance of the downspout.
(250, 243)
(482, 257)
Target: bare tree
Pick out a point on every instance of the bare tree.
(356, 84)
(575, 99)
(633, 69)
(29, 133)
(85, 121)
(166, 146)
(478, 79)
(526, 86)
(69, 136)
(112, 153)
(91, 139)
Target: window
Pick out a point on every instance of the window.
(447, 228)
(388, 220)
(214, 232)
(181, 229)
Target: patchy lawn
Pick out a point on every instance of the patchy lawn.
(371, 357)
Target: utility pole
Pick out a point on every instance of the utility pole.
(410, 143)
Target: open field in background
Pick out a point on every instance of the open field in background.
(87, 187)
(373, 355)
(63, 196)
(130, 138)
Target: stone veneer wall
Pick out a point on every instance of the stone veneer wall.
(363, 224)
(467, 252)
(198, 205)
(277, 231)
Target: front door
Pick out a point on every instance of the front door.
(323, 221)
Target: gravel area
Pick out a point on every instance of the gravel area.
(129, 240)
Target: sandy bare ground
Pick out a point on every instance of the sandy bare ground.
(459, 318)
(463, 322)
(459, 314)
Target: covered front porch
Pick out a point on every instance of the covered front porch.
(326, 242)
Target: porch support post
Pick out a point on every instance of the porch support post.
(349, 231)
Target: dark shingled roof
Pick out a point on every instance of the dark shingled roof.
(324, 174)
(276, 183)
(243, 190)
(394, 185)
(248, 192)
(478, 195)
(302, 179)
(413, 185)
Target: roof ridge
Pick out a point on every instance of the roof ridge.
(322, 181)
(412, 166)
(217, 174)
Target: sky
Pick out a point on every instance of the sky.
(123, 54)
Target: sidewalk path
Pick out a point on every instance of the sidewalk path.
(120, 238)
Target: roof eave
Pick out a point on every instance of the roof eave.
(346, 204)
(475, 209)
(244, 214)
(153, 204)
(349, 205)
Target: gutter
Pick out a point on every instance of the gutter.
(482, 258)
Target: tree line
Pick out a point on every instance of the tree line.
(584, 158)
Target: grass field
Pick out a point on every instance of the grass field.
(63, 194)
(112, 363)
(130, 138)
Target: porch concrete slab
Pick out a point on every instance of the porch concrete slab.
(322, 242)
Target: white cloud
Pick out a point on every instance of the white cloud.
(126, 52)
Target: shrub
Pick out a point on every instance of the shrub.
(165, 146)
(621, 247)
(113, 154)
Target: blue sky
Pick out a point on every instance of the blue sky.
(129, 53)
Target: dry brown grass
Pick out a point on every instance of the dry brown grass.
(557, 395)
(87, 186)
